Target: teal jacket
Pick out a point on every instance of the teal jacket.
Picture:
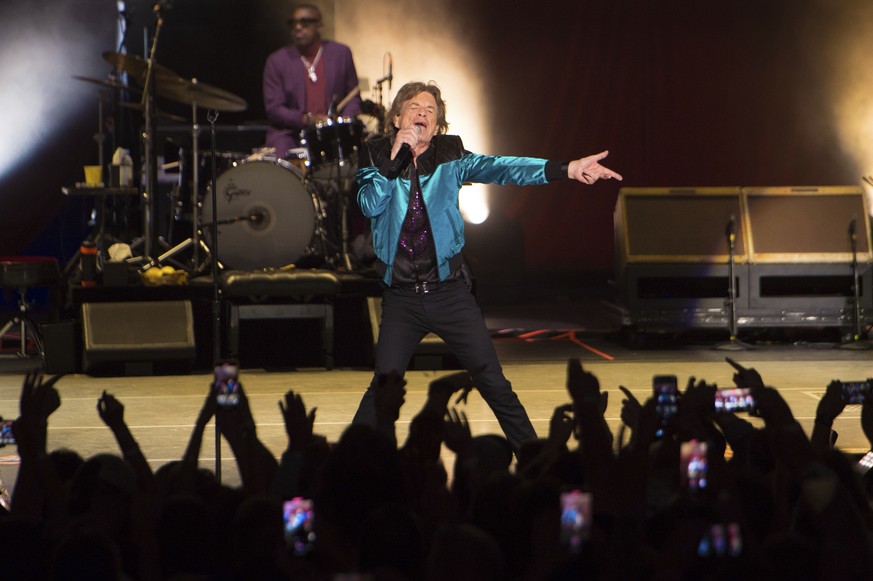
(442, 170)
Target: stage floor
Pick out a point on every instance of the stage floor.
(534, 343)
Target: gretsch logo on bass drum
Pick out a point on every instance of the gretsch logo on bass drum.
(231, 192)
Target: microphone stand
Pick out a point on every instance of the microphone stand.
(733, 344)
(856, 342)
(217, 338)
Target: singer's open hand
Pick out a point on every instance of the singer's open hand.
(588, 169)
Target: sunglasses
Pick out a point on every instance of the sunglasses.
(303, 22)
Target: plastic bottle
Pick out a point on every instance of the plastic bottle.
(88, 261)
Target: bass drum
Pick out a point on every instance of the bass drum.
(266, 215)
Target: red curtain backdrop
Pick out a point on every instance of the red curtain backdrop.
(682, 93)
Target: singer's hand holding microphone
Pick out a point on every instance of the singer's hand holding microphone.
(405, 141)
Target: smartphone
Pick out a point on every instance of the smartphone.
(865, 463)
(721, 540)
(735, 399)
(299, 516)
(665, 390)
(7, 438)
(693, 465)
(855, 392)
(227, 383)
(575, 519)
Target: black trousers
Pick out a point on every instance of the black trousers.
(450, 311)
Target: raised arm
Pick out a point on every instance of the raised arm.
(111, 411)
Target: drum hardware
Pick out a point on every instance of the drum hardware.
(169, 85)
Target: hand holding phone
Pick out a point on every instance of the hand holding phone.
(694, 465)
(855, 392)
(299, 516)
(665, 391)
(736, 399)
(227, 383)
(575, 519)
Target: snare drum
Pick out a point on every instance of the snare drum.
(332, 148)
(266, 215)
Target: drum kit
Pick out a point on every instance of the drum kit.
(268, 211)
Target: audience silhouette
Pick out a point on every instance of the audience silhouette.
(716, 497)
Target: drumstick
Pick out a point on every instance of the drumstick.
(348, 98)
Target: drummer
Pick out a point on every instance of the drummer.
(305, 82)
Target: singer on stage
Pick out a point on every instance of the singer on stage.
(409, 182)
(303, 79)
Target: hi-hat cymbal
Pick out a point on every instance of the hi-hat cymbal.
(108, 83)
(206, 96)
(138, 67)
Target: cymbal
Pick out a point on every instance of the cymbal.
(196, 93)
(158, 113)
(137, 66)
(108, 83)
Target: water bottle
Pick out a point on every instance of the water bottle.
(88, 262)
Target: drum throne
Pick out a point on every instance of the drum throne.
(20, 274)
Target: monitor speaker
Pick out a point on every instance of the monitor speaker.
(137, 338)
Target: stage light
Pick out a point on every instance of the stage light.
(474, 203)
(43, 45)
(422, 52)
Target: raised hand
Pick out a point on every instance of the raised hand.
(745, 377)
(582, 385)
(561, 425)
(631, 408)
(39, 398)
(298, 424)
(110, 410)
(457, 432)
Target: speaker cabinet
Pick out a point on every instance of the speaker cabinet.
(793, 255)
(807, 225)
(660, 225)
(138, 338)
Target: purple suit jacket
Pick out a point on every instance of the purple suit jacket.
(285, 91)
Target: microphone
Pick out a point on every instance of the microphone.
(731, 228)
(403, 157)
(390, 70)
(852, 228)
(401, 160)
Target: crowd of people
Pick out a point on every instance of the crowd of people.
(765, 500)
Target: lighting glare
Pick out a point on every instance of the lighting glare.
(421, 52)
(474, 203)
(41, 52)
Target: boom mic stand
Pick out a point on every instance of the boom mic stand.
(733, 344)
(856, 342)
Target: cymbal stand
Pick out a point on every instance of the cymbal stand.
(149, 152)
(856, 342)
(192, 241)
(733, 344)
